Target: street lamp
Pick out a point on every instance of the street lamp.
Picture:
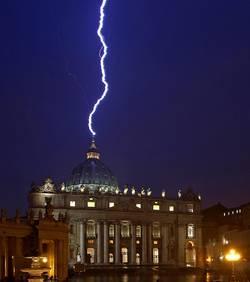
(233, 256)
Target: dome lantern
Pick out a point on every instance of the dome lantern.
(93, 153)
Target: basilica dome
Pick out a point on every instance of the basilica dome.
(92, 175)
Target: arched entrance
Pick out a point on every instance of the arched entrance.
(155, 255)
(138, 258)
(90, 255)
(124, 255)
(190, 254)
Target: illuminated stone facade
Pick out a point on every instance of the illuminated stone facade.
(25, 237)
(109, 226)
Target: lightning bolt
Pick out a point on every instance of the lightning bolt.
(102, 54)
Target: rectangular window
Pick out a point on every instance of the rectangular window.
(111, 204)
(190, 208)
(138, 206)
(156, 207)
(156, 232)
(138, 231)
(111, 230)
(190, 231)
(171, 208)
(72, 203)
(91, 204)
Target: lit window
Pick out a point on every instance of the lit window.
(228, 213)
(111, 204)
(111, 258)
(138, 231)
(137, 242)
(225, 214)
(232, 212)
(239, 210)
(138, 206)
(155, 242)
(190, 208)
(225, 241)
(111, 230)
(72, 203)
(91, 204)
(125, 232)
(91, 229)
(156, 232)
(156, 206)
(171, 208)
(111, 241)
(190, 231)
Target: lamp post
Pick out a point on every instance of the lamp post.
(233, 256)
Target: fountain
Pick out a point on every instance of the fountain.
(35, 271)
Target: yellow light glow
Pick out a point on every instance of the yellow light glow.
(209, 259)
(232, 255)
(44, 259)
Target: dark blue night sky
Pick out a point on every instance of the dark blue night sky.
(177, 113)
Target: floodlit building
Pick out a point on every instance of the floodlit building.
(114, 226)
(24, 237)
(223, 229)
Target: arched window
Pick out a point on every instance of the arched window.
(155, 255)
(125, 232)
(91, 229)
(138, 258)
(124, 255)
(190, 231)
(90, 255)
(190, 254)
(111, 258)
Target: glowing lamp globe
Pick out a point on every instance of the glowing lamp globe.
(232, 255)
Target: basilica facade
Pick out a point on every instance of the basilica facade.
(113, 226)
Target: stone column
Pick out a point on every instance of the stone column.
(164, 244)
(117, 243)
(133, 245)
(150, 256)
(82, 242)
(181, 233)
(18, 247)
(199, 251)
(59, 267)
(105, 242)
(99, 242)
(64, 259)
(144, 244)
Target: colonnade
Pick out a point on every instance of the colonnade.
(146, 242)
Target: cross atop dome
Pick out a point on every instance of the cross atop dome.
(93, 152)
